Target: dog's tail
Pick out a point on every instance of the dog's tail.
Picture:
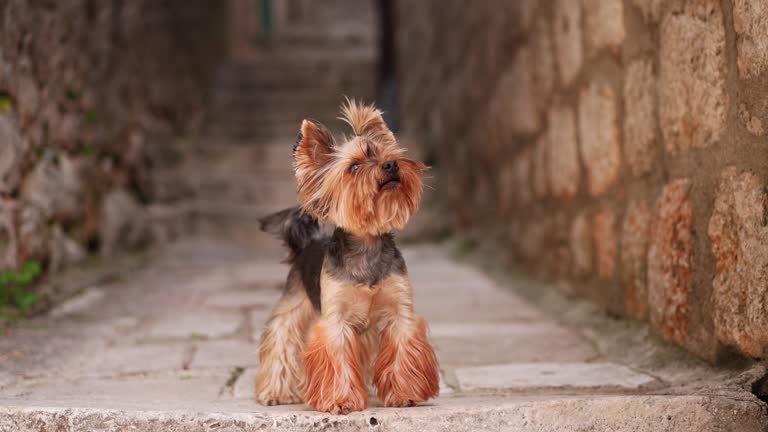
(294, 226)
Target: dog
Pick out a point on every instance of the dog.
(346, 317)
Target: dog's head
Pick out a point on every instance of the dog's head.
(364, 185)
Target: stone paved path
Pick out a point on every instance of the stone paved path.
(172, 347)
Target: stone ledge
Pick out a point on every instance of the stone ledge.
(564, 414)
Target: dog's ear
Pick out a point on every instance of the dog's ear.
(313, 149)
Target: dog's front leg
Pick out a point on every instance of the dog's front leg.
(405, 371)
(333, 373)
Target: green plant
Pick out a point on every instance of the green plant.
(88, 150)
(15, 291)
(5, 103)
(72, 94)
(90, 117)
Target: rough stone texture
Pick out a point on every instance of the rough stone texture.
(640, 116)
(651, 9)
(8, 243)
(564, 168)
(123, 222)
(56, 186)
(635, 233)
(226, 353)
(478, 344)
(11, 154)
(65, 251)
(79, 82)
(540, 55)
(605, 243)
(541, 167)
(581, 244)
(752, 123)
(515, 107)
(672, 89)
(738, 240)
(514, 414)
(692, 98)
(567, 30)
(522, 168)
(599, 136)
(670, 261)
(521, 376)
(92, 370)
(210, 324)
(32, 233)
(604, 23)
(750, 20)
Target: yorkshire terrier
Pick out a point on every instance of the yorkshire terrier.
(346, 317)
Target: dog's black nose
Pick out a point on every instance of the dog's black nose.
(390, 166)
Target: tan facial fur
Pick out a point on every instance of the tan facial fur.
(342, 183)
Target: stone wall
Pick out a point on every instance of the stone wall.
(618, 146)
(92, 96)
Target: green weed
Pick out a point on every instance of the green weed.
(5, 103)
(16, 298)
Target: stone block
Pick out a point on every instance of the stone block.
(523, 166)
(605, 243)
(479, 343)
(670, 261)
(514, 108)
(123, 222)
(567, 39)
(257, 298)
(543, 64)
(750, 20)
(604, 23)
(640, 116)
(55, 185)
(564, 171)
(739, 242)
(135, 359)
(541, 168)
(196, 325)
(599, 136)
(33, 233)
(11, 155)
(8, 237)
(65, 251)
(692, 98)
(634, 254)
(581, 244)
(79, 304)
(27, 99)
(227, 353)
(752, 123)
(523, 376)
(651, 9)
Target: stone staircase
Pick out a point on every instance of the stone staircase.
(240, 168)
(302, 71)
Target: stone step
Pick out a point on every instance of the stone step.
(597, 413)
(285, 71)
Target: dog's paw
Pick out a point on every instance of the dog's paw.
(345, 407)
(269, 399)
(398, 403)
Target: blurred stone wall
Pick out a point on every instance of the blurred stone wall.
(617, 146)
(93, 96)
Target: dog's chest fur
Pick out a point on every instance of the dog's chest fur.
(349, 259)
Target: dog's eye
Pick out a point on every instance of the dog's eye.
(354, 167)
